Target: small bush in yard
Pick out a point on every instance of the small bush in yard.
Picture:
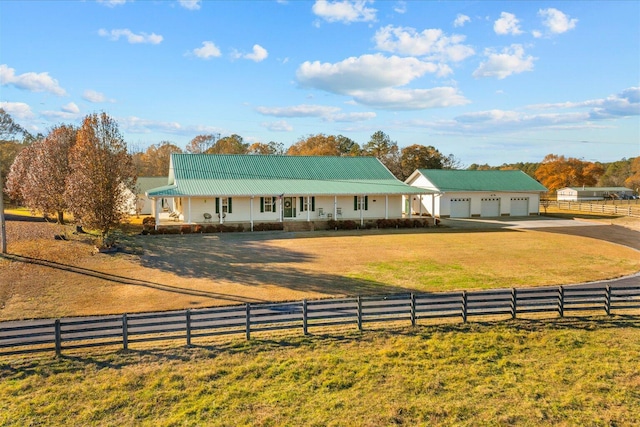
(185, 229)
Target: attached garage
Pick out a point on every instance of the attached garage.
(477, 193)
(490, 207)
(460, 208)
(519, 206)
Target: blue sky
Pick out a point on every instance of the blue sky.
(489, 82)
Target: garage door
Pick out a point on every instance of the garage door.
(490, 207)
(460, 208)
(519, 206)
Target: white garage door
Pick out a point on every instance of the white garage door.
(460, 208)
(490, 207)
(519, 206)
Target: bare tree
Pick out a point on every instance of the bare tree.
(102, 170)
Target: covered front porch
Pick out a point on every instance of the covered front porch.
(316, 210)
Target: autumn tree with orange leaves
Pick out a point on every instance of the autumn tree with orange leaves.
(557, 172)
(38, 174)
(102, 171)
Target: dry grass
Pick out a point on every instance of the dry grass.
(175, 272)
(569, 372)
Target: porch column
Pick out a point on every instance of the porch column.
(420, 203)
(362, 211)
(189, 206)
(433, 206)
(220, 213)
(308, 208)
(281, 209)
(335, 208)
(251, 212)
(156, 212)
(410, 205)
(386, 206)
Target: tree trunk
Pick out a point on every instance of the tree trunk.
(60, 217)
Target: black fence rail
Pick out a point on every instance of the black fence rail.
(21, 337)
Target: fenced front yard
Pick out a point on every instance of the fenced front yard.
(189, 326)
(629, 208)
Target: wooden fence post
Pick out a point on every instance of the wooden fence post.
(248, 324)
(304, 317)
(359, 313)
(464, 306)
(607, 300)
(125, 332)
(188, 326)
(413, 309)
(514, 303)
(561, 301)
(58, 337)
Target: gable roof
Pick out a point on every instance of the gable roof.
(248, 175)
(474, 180)
(145, 183)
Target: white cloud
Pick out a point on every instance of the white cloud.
(565, 115)
(373, 80)
(112, 3)
(17, 110)
(190, 4)
(400, 7)
(326, 113)
(70, 108)
(33, 82)
(556, 21)
(507, 24)
(59, 115)
(304, 110)
(411, 99)
(352, 117)
(279, 126)
(135, 124)
(367, 72)
(345, 11)
(431, 43)
(461, 20)
(95, 97)
(208, 50)
(511, 60)
(131, 37)
(259, 54)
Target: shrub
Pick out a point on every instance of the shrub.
(149, 221)
(185, 229)
(197, 229)
(210, 228)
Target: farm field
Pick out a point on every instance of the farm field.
(555, 372)
(190, 271)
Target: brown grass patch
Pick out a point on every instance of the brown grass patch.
(50, 278)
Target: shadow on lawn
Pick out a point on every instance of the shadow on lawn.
(248, 261)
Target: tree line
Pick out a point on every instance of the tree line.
(154, 161)
(84, 170)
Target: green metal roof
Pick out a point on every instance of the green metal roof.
(492, 180)
(248, 175)
(145, 183)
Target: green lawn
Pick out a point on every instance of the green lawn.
(565, 372)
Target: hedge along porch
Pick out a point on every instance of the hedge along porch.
(256, 188)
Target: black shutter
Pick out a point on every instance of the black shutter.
(301, 204)
(261, 204)
(313, 204)
(366, 203)
(355, 203)
(229, 210)
(217, 205)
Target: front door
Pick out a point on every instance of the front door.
(289, 207)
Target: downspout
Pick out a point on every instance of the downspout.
(220, 213)
(156, 212)
(308, 208)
